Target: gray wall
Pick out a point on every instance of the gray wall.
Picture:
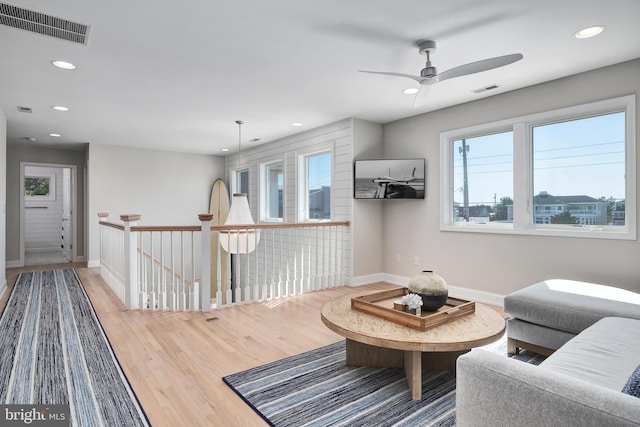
(497, 263)
(17, 154)
(367, 224)
(166, 188)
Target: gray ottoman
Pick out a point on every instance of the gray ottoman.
(547, 314)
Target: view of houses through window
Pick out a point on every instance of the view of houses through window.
(574, 168)
(318, 186)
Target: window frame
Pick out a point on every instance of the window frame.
(235, 181)
(522, 127)
(302, 183)
(264, 182)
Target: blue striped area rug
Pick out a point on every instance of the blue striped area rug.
(53, 351)
(316, 388)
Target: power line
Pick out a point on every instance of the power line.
(578, 146)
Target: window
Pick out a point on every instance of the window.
(483, 178)
(241, 182)
(272, 191)
(579, 165)
(315, 186)
(568, 172)
(40, 187)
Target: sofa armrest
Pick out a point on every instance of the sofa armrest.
(492, 389)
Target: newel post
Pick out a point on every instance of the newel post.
(205, 261)
(102, 216)
(130, 261)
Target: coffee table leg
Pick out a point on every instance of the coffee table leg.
(413, 371)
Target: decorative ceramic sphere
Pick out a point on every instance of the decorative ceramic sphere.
(431, 287)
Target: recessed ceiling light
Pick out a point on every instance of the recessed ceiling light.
(55, 135)
(224, 149)
(297, 124)
(29, 138)
(59, 108)
(254, 140)
(588, 32)
(411, 91)
(64, 65)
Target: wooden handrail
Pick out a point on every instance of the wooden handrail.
(112, 225)
(166, 228)
(279, 225)
(229, 227)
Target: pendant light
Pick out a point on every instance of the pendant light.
(242, 241)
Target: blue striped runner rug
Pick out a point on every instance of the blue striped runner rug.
(53, 351)
(317, 388)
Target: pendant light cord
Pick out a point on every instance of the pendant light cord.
(240, 123)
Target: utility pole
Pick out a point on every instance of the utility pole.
(463, 150)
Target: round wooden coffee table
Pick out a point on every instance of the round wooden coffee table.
(374, 341)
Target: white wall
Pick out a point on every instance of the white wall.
(3, 199)
(501, 263)
(166, 188)
(336, 136)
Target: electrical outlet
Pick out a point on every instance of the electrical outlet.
(416, 261)
(397, 257)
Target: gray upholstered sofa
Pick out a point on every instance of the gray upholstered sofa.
(547, 314)
(595, 332)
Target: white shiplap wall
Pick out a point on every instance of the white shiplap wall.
(43, 218)
(337, 137)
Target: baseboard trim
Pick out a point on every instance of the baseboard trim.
(366, 280)
(93, 263)
(13, 264)
(455, 291)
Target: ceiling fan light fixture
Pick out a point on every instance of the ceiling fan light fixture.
(589, 32)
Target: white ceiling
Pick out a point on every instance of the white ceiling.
(176, 75)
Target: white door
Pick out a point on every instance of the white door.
(67, 214)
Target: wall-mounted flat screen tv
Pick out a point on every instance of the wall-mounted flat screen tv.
(389, 179)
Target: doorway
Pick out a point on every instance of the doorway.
(47, 214)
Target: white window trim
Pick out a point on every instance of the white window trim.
(522, 176)
(301, 182)
(235, 185)
(264, 205)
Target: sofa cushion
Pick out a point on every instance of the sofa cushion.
(569, 305)
(632, 386)
(605, 354)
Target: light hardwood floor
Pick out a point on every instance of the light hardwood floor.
(175, 361)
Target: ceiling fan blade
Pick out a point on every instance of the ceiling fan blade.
(421, 96)
(409, 76)
(479, 66)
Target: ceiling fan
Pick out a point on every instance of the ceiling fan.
(429, 75)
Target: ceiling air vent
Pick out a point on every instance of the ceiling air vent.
(40, 23)
(24, 109)
(486, 88)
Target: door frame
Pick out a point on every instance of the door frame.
(74, 206)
